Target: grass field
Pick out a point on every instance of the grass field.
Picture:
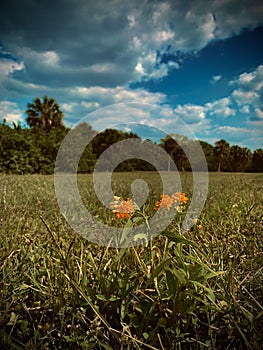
(200, 289)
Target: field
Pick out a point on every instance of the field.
(200, 289)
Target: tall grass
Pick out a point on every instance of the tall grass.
(196, 290)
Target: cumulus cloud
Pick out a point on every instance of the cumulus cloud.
(83, 43)
(236, 135)
(258, 117)
(10, 112)
(249, 81)
(248, 93)
(232, 16)
(190, 113)
(85, 100)
(102, 96)
(87, 53)
(8, 66)
(245, 97)
(220, 108)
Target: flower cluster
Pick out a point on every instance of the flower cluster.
(178, 200)
(124, 209)
(121, 208)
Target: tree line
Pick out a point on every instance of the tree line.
(33, 148)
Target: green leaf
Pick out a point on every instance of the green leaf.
(162, 322)
(145, 335)
(181, 275)
(195, 271)
(214, 274)
(126, 230)
(173, 238)
(140, 236)
(159, 269)
(172, 282)
(208, 290)
(205, 266)
(137, 219)
(123, 310)
(247, 314)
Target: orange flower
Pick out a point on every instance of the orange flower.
(180, 196)
(121, 208)
(166, 202)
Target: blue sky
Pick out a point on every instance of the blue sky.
(200, 62)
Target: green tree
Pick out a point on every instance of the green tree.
(107, 138)
(78, 147)
(17, 152)
(45, 114)
(257, 160)
(208, 150)
(221, 151)
(239, 157)
(172, 144)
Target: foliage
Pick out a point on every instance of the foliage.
(201, 289)
(34, 150)
(221, 151)
(28, 151)
(44, 114)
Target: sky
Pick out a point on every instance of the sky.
(153, 63)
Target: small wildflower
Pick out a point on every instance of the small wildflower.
(181, 197)
(199, 227)
(179, 208)
(166, 202)
(121, 208)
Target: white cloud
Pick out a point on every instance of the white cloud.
(250, 81)
(90, 105)
(248, 94)
(8, 66)
(88, 60)
(230, 129)
(106, 96)
(235, 135)
(216, 78)
(131, 20)
(190, 113)
(67, 107)
(245, 97)
(259, 113)
(10, 111)
(233, 15)
(44, 59)
(220, 108)
(164, 35)
(119, 46)
(49, 58)
(245, 109)
(102, 68)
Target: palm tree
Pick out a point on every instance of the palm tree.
(221, 150)
(44, 114)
